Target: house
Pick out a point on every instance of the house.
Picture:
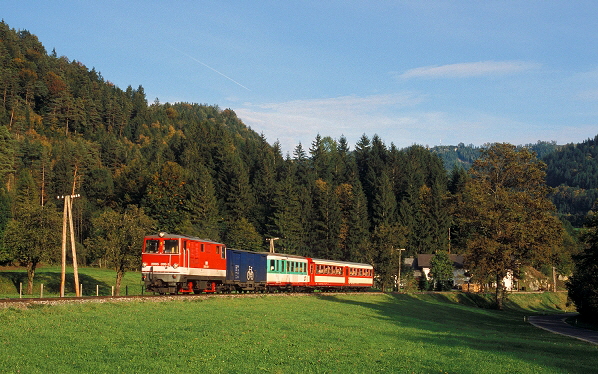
(422, 265)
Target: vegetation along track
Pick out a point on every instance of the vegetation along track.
(27, 302)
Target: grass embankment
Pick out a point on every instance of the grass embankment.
(420, 333)
(92, 279)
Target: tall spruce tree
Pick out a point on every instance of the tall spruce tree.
(287, 222)
(327, 221)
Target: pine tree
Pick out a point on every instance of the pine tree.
(327, 221)
(166, 198)
(583, 285)
(287, 221)
(202, 205)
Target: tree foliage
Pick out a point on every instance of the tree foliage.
(119, 236)
(512, 220)
(583, 285)
(197, 169)
(441, 270)
(33, 236)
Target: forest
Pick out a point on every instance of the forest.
(196, 169)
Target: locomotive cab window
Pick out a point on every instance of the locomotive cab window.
(152, 246)
(171, 246)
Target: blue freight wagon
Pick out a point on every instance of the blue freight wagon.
(247, 271)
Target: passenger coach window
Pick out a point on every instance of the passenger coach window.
(171, 246)
(152, 246)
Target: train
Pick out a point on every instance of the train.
(179, 264)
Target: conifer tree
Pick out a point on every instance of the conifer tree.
(327, 221)
(287, 222)
(583, 285)
(201, 204)
(166, 198)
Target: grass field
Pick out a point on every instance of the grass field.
(421, 333)
(92, 279)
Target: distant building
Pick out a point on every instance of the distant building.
(421, 266)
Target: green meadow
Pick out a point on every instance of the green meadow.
(94, 281)
(360, 333)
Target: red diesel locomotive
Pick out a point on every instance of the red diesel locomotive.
(183, 264)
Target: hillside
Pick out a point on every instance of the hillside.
(196, 169)
(572, 172)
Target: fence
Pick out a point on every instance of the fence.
(97, 291)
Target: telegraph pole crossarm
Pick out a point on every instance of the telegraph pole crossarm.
(271, 240)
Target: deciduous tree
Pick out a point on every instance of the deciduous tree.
(512, 220)
(32, 235)
(441, 270)
(120, 237)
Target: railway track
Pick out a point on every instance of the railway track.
(27, 302)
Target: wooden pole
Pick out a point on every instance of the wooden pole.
(73, 248)
(68, 213)
(271, 240)
(63, 273)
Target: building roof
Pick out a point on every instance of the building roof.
(424, 260)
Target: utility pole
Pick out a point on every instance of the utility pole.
(399, 270)
(271, 240)
(68, 214)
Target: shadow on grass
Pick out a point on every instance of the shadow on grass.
(440, 320)
(51, 282)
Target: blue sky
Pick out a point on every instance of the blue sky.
(413, 72)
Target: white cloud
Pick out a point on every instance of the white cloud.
(398, 119)
(301, 120)
(470, 69)
(588, 95)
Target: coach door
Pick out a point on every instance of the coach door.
(185, 262)
(286, 269)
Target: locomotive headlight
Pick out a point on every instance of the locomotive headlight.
(144, 264)
(175, 266)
